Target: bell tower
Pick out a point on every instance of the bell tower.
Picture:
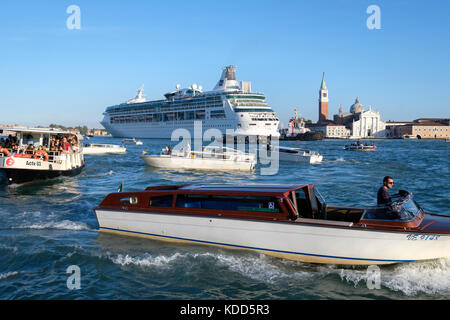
(323, 101)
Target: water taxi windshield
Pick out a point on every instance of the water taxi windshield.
(402, 208)
(406, 209)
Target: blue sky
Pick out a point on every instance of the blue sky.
(50, 74)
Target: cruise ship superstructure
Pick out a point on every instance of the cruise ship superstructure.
(229, 107)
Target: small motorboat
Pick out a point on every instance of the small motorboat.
(359, 146)
(292, 154)
(287, 221)
(132, 141)
(209, 158)
(97, 148)
(409, 136)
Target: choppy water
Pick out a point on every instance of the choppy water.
(48, 226)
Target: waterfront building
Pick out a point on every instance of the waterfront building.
(361, 123)
(4, 132)
(422, 128)
(98, 132)
(332, 130)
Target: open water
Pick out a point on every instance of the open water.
(46, 227)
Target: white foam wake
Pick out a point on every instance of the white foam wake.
(146, 260)
(62, 225)
(430, 277)
(7, 274)
(412, 279)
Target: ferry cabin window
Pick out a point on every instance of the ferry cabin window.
(161, 201)
(259, 204)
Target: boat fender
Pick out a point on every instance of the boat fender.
(41, 153)
(4, 151)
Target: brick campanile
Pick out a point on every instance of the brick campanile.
(323, 101)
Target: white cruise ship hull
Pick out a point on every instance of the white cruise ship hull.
(165, 130)
(296, 241)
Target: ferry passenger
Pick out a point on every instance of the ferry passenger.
(30, 149)
(58, 146)
(65, 144)
(53, 144)
(383, 196)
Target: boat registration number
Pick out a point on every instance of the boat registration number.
(422, 237)
(34, 163)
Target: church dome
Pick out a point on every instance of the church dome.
(356, 107)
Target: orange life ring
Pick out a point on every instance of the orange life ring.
(39, 153)
(4, 151)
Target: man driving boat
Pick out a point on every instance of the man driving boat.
(383, 196)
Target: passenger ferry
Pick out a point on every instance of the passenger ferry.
(29, 155)
(287, 221)
(229, 106)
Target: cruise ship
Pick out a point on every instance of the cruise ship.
(229, 107)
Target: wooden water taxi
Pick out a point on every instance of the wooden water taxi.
(291, 221)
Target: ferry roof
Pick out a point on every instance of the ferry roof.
(263, 189)
(38, 130)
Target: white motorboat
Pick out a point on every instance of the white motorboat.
(293, 155)
(97, 148)
(132, 141)
(409, 136)
(210, 158)
(359, 146)
(292, 222)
